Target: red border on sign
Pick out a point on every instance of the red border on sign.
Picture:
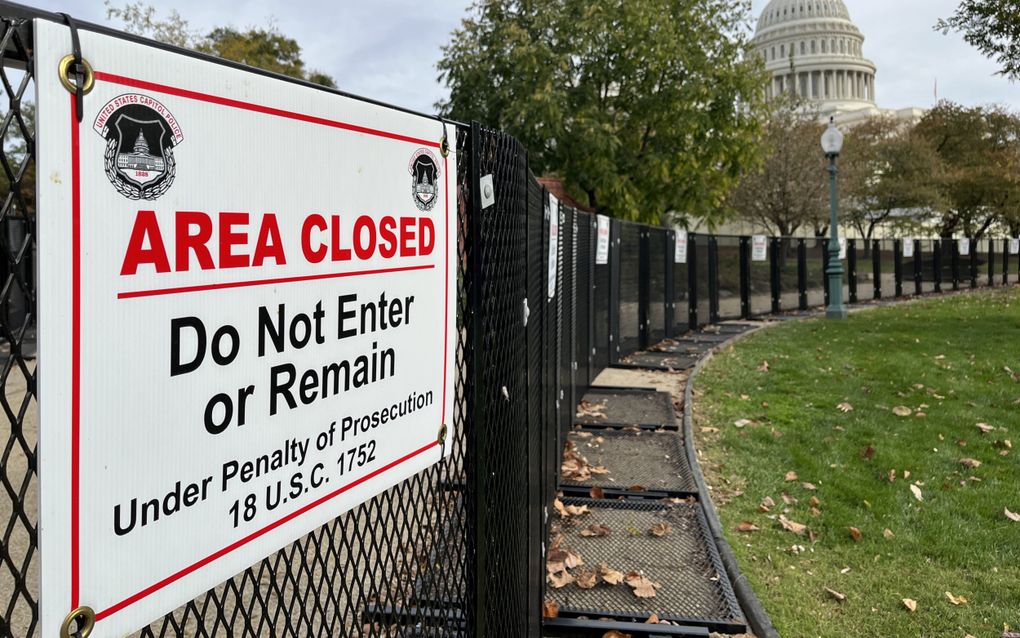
(76, 325)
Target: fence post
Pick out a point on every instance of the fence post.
(898, 266)
(1005, 262)
(991, 262)
(713, 280)
(824, 245)
(614, 290)
(692, 282)
(876, 267)
(918, 267)
(644, 288)
(851, 263)
(477, 458)
(670, 240)
(936, 258)
(802, 275)
(775, 262)
(955, 263)
(745, 277)
(973, 270)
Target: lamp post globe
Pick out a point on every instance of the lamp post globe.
(832, 145)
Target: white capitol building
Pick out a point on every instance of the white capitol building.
(813, 49)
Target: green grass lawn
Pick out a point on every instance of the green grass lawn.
(953, 360)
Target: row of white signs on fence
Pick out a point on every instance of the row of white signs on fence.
(247, 319)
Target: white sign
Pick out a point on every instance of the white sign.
(602, 240)
(553, 211)
(759, 248)
(1014, 246)
(842, 247)
(247, 320)
(908, 247)
(964, 246)
(680, 247)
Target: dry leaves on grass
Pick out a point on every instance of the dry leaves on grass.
(764, 367)
(792, 526)
(845, 407)
(888, 533)
(660, 529)
(956, 600)
(855, 533)
(985, 428)
(766, 505)
(1013, 516)
(747, 526)
(970, 463)
(809, 486)
(916, 491)
(835, 594)
(910, 604)
(902, 410)
(641, 586)
(790, 476)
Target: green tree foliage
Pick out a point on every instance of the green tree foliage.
(993, 26)
(887, 167)
(978, 148)
(260, 47)
(642, 108)
(788, 191)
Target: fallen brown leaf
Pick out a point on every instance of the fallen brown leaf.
(855, 533)
(652, 620)
(550, 609)
(910, 604)
(985, 428)
(597, 530)
(791, 476)
(1013, 516)
(956, 600)
(808, 486)
(835, 594)
(916, 491)
(610, 576)
(560, 580)
(596, 492)
(869, 453)
(747, 526)
(764, 367)
(888, 533)
(845, 407)
(586, 578)
(642, 587)
(660, 529)
(792, 526)
(970, 462)
(612, 633)
(902, 410)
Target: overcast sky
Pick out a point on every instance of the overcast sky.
(387, 49)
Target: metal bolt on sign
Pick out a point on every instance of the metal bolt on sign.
(83, 619)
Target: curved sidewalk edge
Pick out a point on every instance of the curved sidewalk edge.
(757, 617)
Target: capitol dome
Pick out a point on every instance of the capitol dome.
(813, 49)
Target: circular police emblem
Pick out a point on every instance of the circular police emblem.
(424, 169)
(140, 136)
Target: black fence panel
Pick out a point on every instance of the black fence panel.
(728, 251)
(759, 279)
(681, 297)
(702, 276)
(584, 264)
(600, 316)
(657, 299)
(630, 288)
(816, 280)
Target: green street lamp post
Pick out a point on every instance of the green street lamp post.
(832, 144)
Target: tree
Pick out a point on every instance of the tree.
(642, 108)
(261, 47)
(887, 167)
(993, 26)
(788, 191)
(978, 147)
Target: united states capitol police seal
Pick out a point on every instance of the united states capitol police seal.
(140, 134)
(424, 169)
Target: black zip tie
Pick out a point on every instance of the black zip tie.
(78, 68)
